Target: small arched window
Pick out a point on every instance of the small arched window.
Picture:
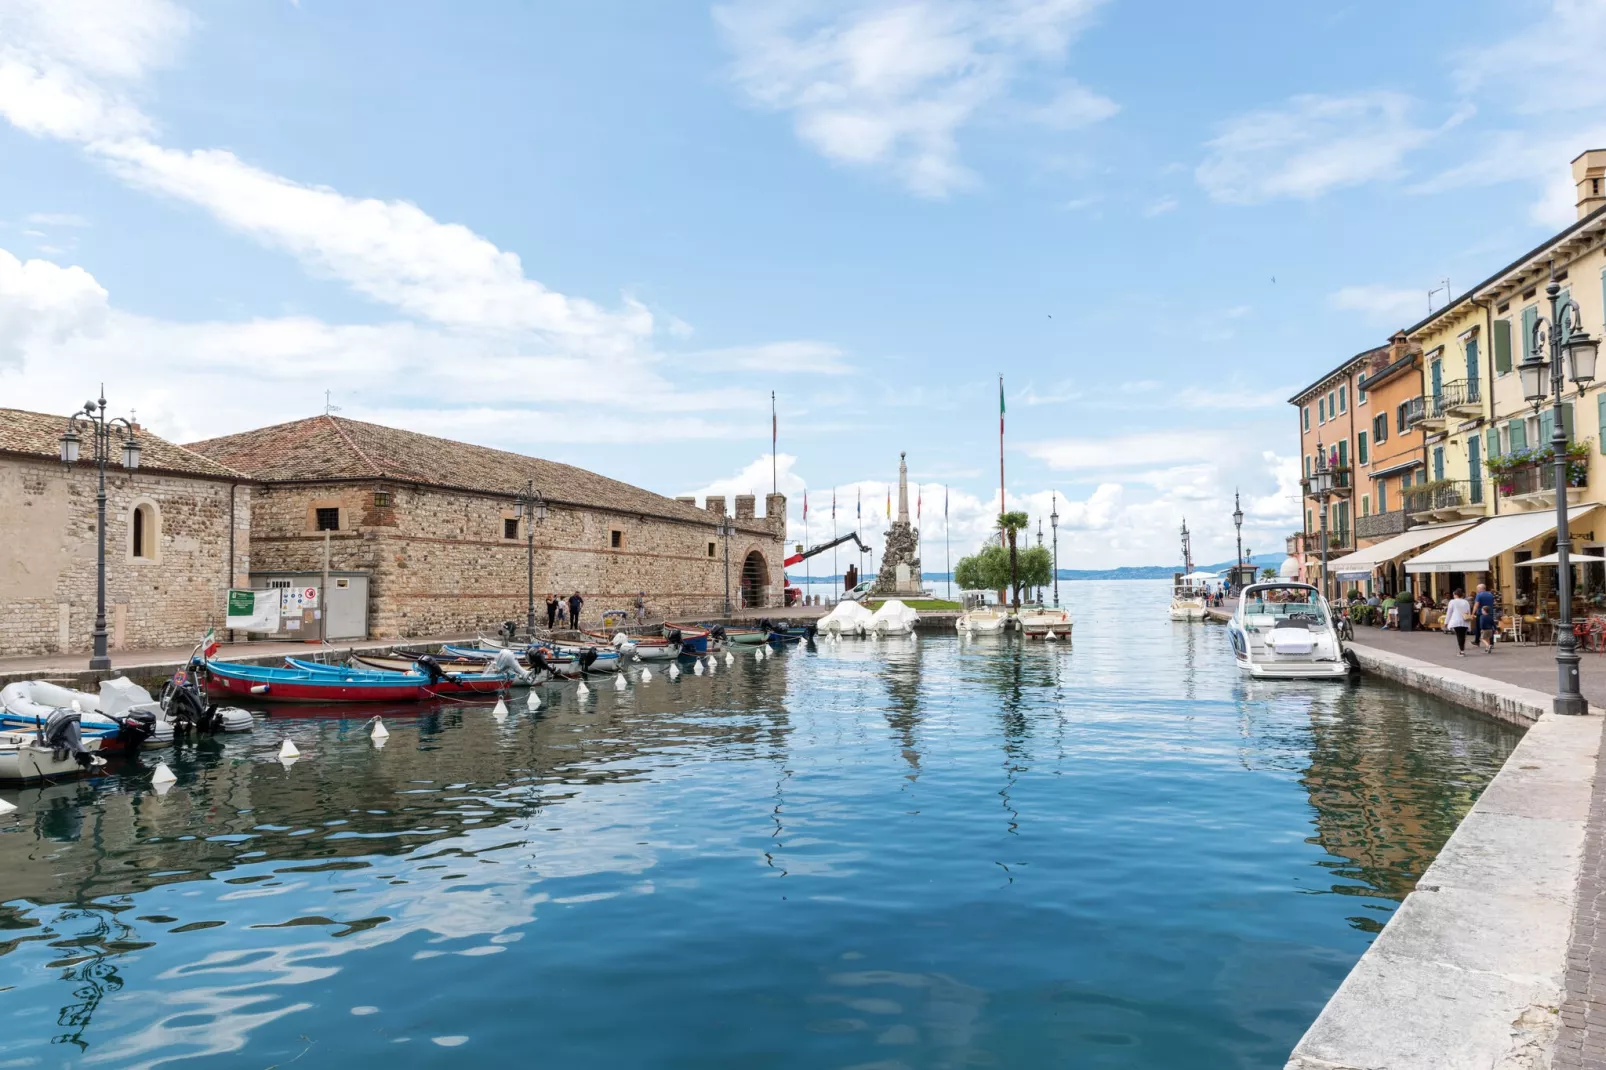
(144, 531)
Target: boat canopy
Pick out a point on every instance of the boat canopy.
(1473, 550)
(1359, 565)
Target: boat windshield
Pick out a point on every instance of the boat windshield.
(1265, 608)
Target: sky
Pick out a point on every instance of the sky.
(605, 232)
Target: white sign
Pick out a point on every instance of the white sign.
(309, 596)
(298, 599)
(254, 611)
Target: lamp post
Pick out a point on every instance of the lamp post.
(530, 507)
(1238, 523)
(1054, 522)
(1561, 334)
(1039, 546)
(1321, 487)
(100, 431)
(725, 529)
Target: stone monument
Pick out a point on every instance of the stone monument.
(899, 575)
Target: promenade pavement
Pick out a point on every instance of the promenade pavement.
(1521, 664)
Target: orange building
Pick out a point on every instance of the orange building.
(1334, 417)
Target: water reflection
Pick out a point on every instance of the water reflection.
(918, 852)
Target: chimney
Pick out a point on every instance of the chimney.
(715, 503)
(1589, 175)
(687, 499)
(746, 506)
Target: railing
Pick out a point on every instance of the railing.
(1339, 539)
(1461, 394)
(1415, 411)
(1379, 525)
(1537, 478)
(1445, 494)
(1294, 542)
(1341, 479)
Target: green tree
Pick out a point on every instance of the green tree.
(985, 570)
(1268, 573)
(1036, 567)
(1011, 524)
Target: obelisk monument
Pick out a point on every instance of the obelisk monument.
(899, 575)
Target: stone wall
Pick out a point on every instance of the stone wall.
(48, 555)
(441, 564)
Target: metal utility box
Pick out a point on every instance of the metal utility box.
(305, 603)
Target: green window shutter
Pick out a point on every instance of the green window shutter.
(1517, 435)
(1530, 316)
(1502, 346)
(1361, 456)
(1567, 419)
(1491, 443)
(1547, 427)
(1343, 453)
(1438, 462)
(1472, 360)
(1600, 418)
(1382, 495)
(1321, 410)
(1343, 399)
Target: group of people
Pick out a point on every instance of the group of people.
(566, 612)
(1461, 616)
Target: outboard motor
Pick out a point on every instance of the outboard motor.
(586, 658)
(540, 668)
(61, 734)
(134, 729)
(673, 637)
(717, 632)
(188, 711)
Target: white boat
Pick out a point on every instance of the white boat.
(985, 619)
(893, 618)
(848, 618)
(27, 704)
(1284, 631)
(1035, 622)
(24, 757)
(1190, 589)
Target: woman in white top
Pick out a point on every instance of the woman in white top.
(1457, 619)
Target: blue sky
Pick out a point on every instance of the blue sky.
(605, 232)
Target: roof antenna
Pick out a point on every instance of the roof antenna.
(328, 403)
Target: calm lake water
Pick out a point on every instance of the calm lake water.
(1115, 852)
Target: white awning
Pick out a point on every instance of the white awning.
(1473, 551)
(1359, 565)
(1578, 557)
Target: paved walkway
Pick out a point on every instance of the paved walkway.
(1524, 665)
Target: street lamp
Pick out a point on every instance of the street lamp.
(530, 507)
(1321, 487)
(1560, 335)
(1039, 546)
(1054, 522)
(100, 430)
(725, 529)
(1238, 523)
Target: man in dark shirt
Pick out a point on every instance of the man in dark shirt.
(551, 610)
(1483, 617)
(575, 602)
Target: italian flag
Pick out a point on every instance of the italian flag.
(209, 644)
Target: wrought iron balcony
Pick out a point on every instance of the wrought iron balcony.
(1416, 411)
(1381, 525)
(1464, 397)
(1342, 482)
(1444, 499)
(1534, 486)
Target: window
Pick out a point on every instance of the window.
(1399, 417)
(1343, 399)
(1502, 346)
(328, 519)
(1307, 466)
(1516, 435)
(1380, 429)
(1360, 391)
(1438, 462)
(616, 539)
(1307, 417)
(1332, 410)
(381, 499)
(711, 545)
(1382, 495)
(1472, 359)
(1308, 525)
(1343, 453)
(1361, 454)
(510, 528)
(1321, 410)
(1366, 505)
(144, 533)
(1600, 415)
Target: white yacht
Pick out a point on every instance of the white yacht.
(1038, 622)
(1284, 631)
(985, 619)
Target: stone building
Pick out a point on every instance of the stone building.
(177, 535)
(432, 522)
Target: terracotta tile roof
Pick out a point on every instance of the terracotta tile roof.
(38, 434)
(336, 448)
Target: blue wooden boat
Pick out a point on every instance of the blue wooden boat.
(271, 684)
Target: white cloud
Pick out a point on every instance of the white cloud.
(1161, 207)
(800, 357)
(1384, 306)
(1310, 146)
(42, 302)
(890, 85)
(56, 219)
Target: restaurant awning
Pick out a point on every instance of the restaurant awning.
(1473, 551)
(1359, 565)
(1578, 557)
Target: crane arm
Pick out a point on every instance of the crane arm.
(851, 536)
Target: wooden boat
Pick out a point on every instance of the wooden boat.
(561, 666)
(454, 683)
(694, 638)
(298, 685)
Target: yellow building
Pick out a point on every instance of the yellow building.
(1482, 435)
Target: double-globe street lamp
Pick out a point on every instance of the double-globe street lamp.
(1322, 484)
(1054, 522)
(1238, 523)
(99, 428)
(725, 528)
(530, 507)
(1561, 334)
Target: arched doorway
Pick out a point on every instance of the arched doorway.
(755, 580)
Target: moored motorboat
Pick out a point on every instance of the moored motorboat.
(985, 619)
(449, 683)
(893, 617)
(1036, 622)
(1285, 631)
(272, 684)
(847, 618)
(57, 749)
(122, 715)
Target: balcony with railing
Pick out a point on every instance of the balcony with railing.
(1444, 499)
(1533, 486)
(1381, 525)
(1414, 411)
(1462, 398)
(1343, 482)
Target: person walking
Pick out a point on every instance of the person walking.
(575, 602)
(551, 609)
(641, 608)
(1457, 617)
(1483, 618)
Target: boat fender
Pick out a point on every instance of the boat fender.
(259, 689)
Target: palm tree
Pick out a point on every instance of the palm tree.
(1009, 524)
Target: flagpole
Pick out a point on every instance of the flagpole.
(947, 550)
(1002, 507)
(837, 582)
(807, 587)
(775, 437)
